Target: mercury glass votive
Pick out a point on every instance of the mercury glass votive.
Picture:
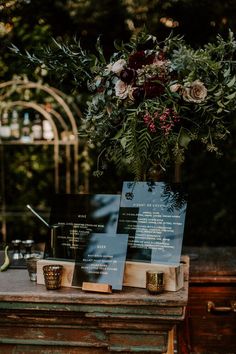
(154, 282)
(52, 276)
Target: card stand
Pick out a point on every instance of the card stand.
(135, 274)
(97, 287)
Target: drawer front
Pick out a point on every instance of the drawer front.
(211, 319)
(27, 332)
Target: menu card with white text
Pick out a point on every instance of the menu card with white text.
(153, 214)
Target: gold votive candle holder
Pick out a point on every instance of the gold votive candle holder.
(52, 276)
(154, 282)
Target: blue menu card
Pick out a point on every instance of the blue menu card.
(153, 214)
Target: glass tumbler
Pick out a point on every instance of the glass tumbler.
(31, 264)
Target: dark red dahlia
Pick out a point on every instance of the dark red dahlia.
(138, 94)
(127, 75)
(139, 59)
(153, 90)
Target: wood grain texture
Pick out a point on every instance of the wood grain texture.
(97, 287)
(211, 262)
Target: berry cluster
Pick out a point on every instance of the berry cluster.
(167, 120)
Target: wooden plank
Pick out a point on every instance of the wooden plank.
(49, 349)
(170, 346)
(125, 341)
(97, 287)
(55, 335)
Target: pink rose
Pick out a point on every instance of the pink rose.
(121, 89)
(194, 92)
(118, 66)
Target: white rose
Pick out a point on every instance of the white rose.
(175, 87)
(195, 92)
(118, 66)
(121, 89)
(108, 68)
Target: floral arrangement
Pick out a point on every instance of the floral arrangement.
(151, 99)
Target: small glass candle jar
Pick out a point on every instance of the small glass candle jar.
(52, 276)
(154, 282)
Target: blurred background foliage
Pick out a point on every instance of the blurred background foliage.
(32, 24)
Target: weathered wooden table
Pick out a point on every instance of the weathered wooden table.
(35, 320)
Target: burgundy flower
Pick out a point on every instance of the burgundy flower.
(138, 59)
(150, 59)
(127, 75)
(138, 94)
(153, 90)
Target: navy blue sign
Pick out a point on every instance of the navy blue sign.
(102, 260)
(85, 232)
(153, 214)
(76, 216)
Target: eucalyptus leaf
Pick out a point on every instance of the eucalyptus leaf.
(123, 142)
(231, 96)
(232, 81)
(184, 138)
(227, 72)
